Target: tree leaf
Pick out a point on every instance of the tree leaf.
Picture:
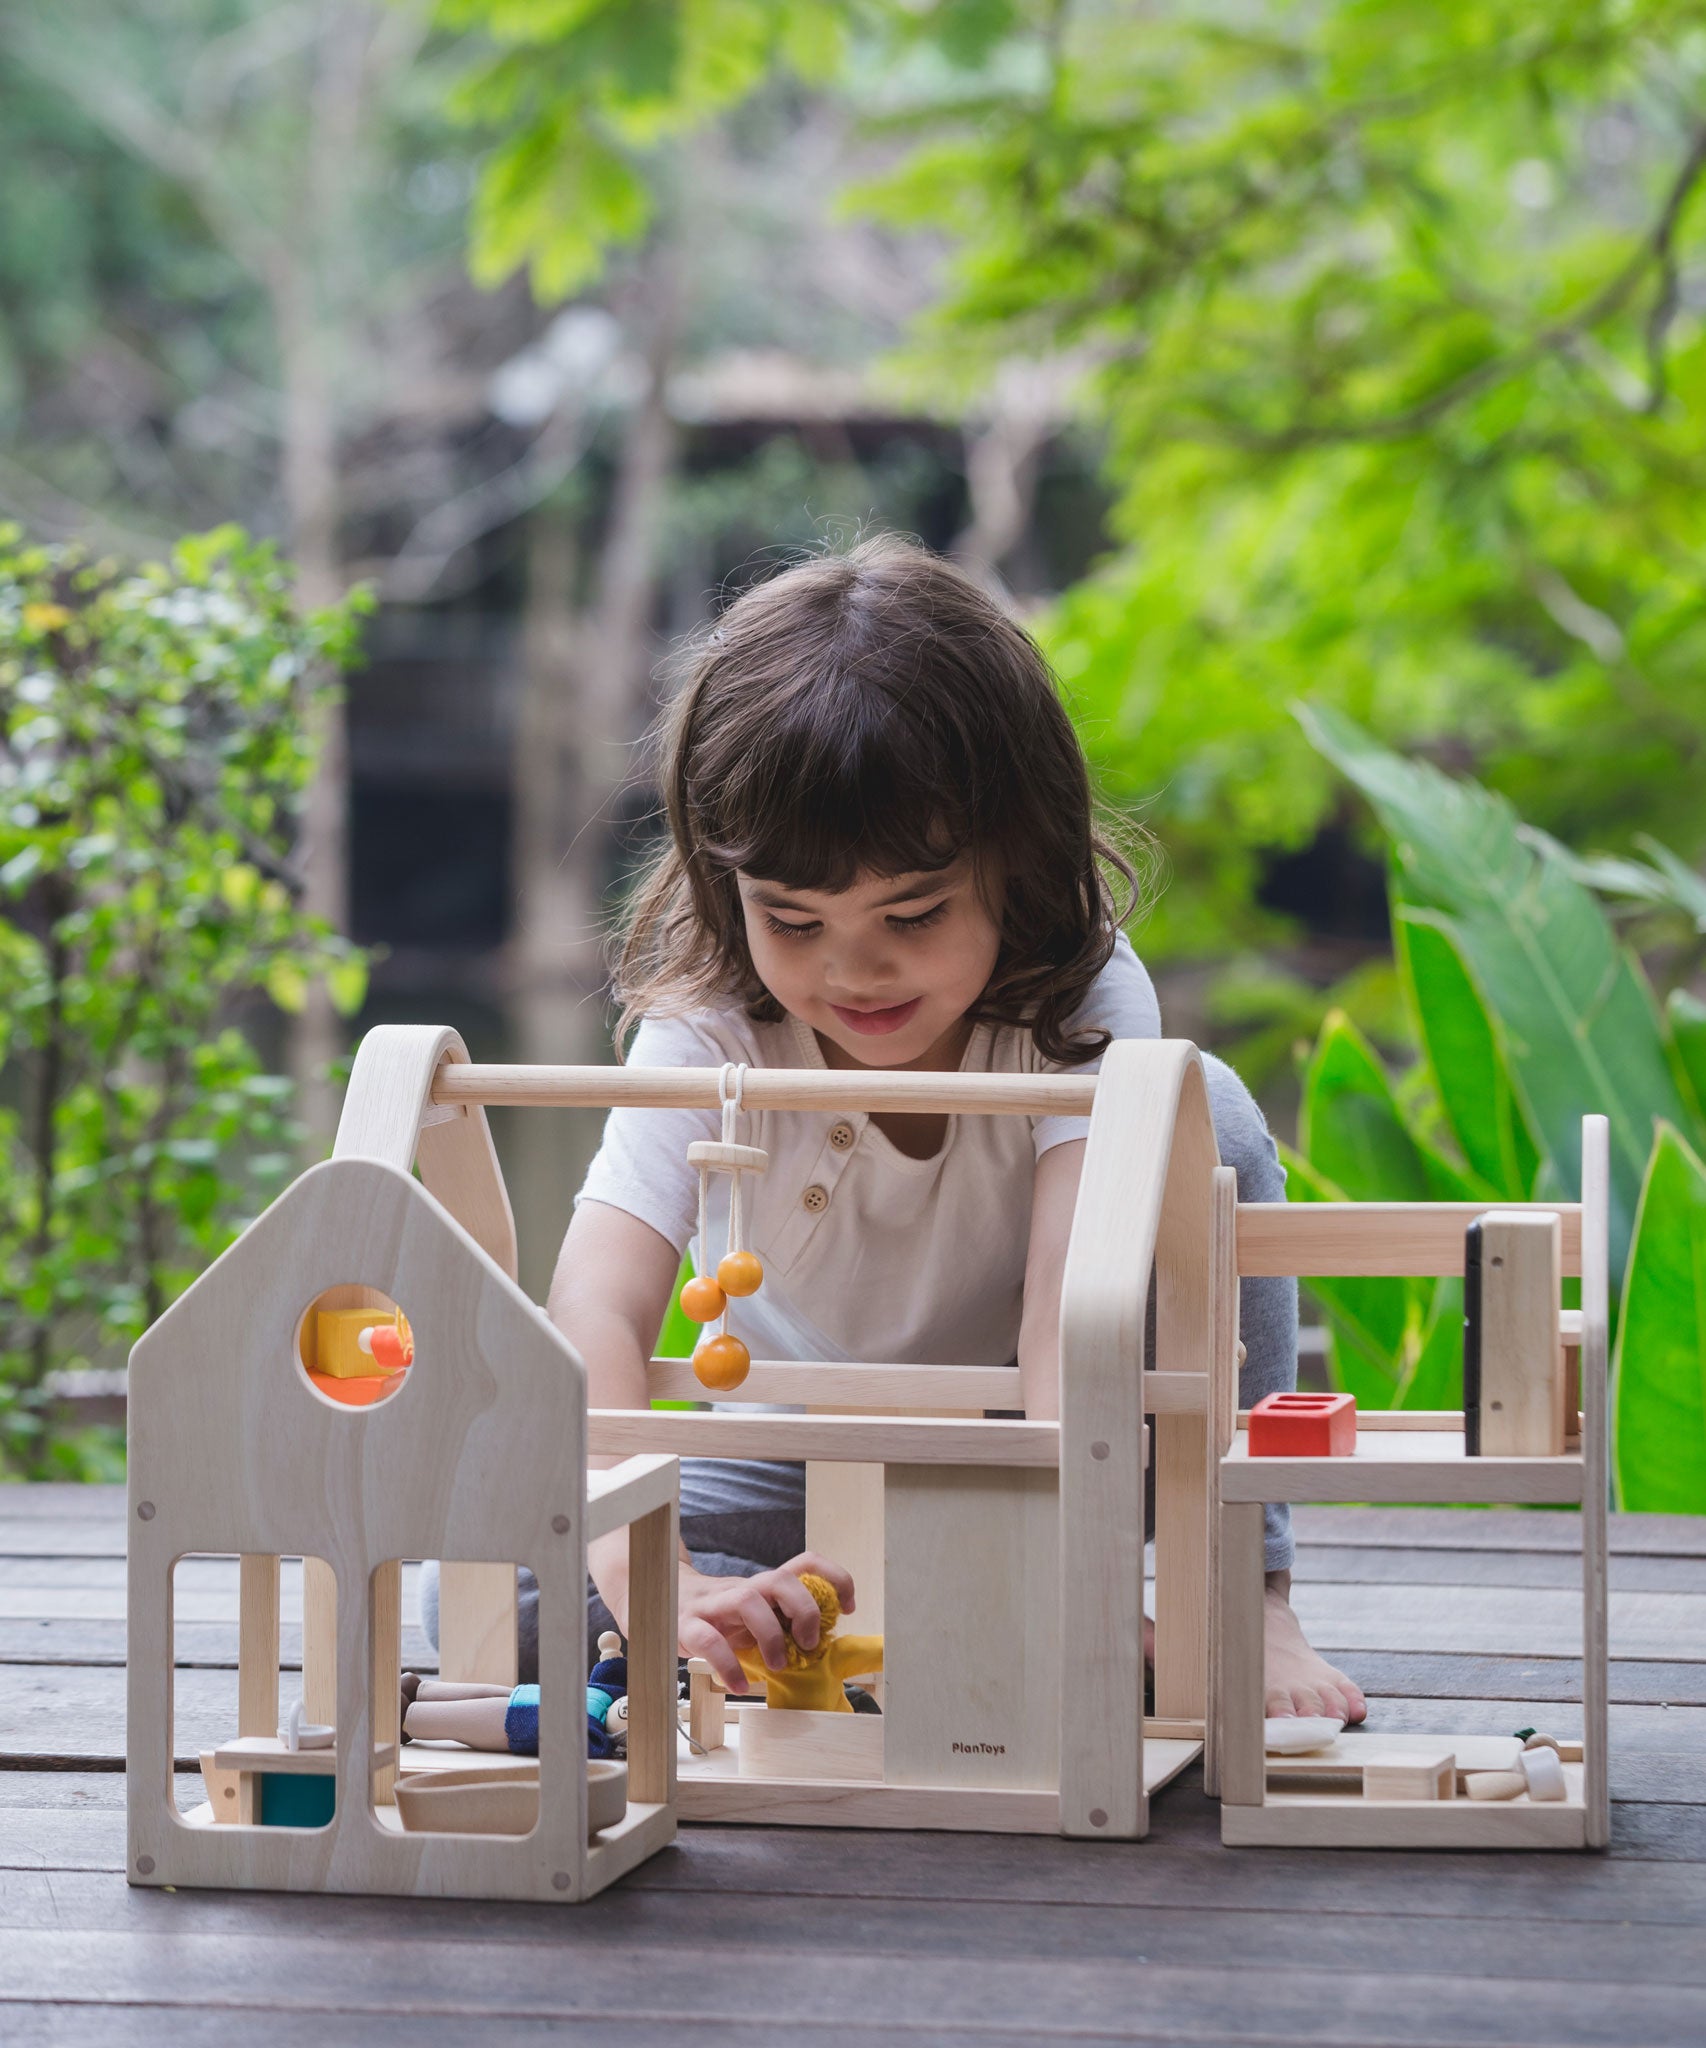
(1366, 1318)
(346, 984)
(1465, 1052)
(287, 984)
(1398, 1342)
(1352, 1131)
(1661, 1340)
(1686, 1016)
(1581, 1025)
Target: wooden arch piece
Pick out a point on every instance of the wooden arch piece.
(1146, 1202)
(389, 1114)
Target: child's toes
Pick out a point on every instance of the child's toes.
(1335, 1700)
(1301, 1700)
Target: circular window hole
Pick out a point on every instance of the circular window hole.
(354, 1346)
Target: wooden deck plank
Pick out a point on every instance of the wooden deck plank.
(1497, 1621)
(32, 2024)
(1427, 1675)
(60, 1539)
(522, 1947)
(1182, 1865)
(523, 1958)
(1495, 1529)
(77, 1712)
(945, 1937)
(61, 1500)
(1375, 1565)
(1181, 1982)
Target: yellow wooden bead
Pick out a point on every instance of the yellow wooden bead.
(702, 1300)
(721, 1363)
(740, 1273)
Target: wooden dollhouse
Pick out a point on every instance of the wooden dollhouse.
(1002, 1561)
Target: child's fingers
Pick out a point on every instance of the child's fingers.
(799, 1609)
(837, 1574)
(755, 1613)
(702, 1638)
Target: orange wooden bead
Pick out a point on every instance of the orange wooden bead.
(702, 1300)
(721, 1363)
(740, 1273)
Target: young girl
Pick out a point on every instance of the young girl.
(881, 854)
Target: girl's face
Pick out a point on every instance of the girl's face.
(886, 970)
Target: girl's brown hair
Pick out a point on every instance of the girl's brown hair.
(873, 712)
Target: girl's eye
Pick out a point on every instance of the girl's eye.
(923, 921)
(789, 931)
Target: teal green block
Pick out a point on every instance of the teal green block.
(289, 1800)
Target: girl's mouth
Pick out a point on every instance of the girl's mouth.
(878, 1023)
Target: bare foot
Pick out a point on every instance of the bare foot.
(1298, 1679)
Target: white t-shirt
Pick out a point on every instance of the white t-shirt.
(868, 1255)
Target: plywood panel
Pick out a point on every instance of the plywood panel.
(972, 1649)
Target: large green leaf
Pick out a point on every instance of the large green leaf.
(1351, 1128)
(1580, 1024)
(1686, 1016)
(1465, 1053)
(1661, 1340)
(1397, 1342)
(1367, 1320)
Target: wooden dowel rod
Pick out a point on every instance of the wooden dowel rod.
(767, 1088)
(836, 1439)
(857, 1386)
(901, 1386)
(1395, 1238)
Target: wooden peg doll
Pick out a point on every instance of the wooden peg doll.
(721, 1362)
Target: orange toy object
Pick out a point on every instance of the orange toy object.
(740, 1273)
(357, 1392)
(721, 1363)
(702, 1300)
(1304, 1426)
(391, 1346)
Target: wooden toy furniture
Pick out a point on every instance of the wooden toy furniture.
(1001, 1560)
(1351, 1794)
(479, 1455)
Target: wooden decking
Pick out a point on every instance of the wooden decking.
(862, 1938)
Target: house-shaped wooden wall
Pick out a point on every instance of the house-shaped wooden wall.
(480, 1456)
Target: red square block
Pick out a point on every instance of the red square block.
(1304, 1426)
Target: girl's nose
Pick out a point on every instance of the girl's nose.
(862, 966)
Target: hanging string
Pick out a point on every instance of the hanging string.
(731, 1086)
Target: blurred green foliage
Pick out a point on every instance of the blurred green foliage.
(1529, 1013)
(153, 754)
(585, 95)
(1391, 315)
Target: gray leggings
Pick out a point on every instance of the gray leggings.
(740, 1518)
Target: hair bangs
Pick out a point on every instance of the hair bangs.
(850, 781)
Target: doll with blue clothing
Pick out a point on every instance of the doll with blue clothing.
(883, 853)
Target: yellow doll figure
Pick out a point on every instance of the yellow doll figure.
(813, 1681)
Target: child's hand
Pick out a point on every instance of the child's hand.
(720, 1617)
